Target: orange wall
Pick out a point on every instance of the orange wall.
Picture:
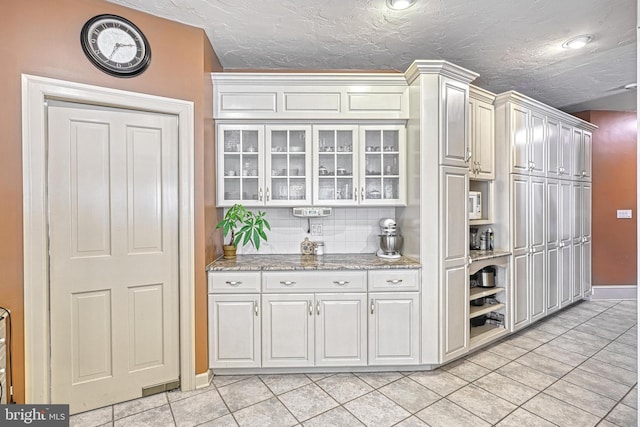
(42, 37)
(614, 248)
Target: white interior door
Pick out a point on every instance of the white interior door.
(113, 224)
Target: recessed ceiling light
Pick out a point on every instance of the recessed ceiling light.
(400, 4)
(577, 42)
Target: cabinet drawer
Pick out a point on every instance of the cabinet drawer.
(397, 280)
(316, 281)
(233, 282)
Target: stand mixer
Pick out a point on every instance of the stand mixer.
(390, 241)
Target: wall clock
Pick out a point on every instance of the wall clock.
(115, 45)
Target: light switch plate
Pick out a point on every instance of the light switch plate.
(316, 229)
(624, 213)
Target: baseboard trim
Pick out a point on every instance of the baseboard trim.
(204, 379)
(628, 292)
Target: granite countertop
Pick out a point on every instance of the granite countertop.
(480, 255)
(311, 262)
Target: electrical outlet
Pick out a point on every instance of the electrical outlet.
(316, 229)
(624, 213)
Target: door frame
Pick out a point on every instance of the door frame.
(35, 92)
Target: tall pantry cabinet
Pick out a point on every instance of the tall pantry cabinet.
(435, 221)
(546, 156)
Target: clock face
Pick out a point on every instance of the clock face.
(115, 45)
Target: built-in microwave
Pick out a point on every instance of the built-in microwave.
(475, 205)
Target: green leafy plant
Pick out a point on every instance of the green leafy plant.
(244, 226)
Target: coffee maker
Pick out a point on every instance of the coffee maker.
(390, 241)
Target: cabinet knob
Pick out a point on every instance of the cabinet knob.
(268, 194)
(341, 282)
(255, 307)
(584, 173)
(260, 193)
(288, 282)
(394, 281)
(362, 193)
(310, 304)
(318, 308)
(469, 153)
(233, 283)
(3, 340)
(372, 305)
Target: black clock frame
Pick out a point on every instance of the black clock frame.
(89, 51)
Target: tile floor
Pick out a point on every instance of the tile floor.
(575, 368)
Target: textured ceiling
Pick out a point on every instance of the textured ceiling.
(512, 44)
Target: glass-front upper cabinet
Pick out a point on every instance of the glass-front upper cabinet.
(382, 168)
(336, 165)
(288, 167)
(240, 158)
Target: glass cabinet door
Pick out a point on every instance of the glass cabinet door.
(288, 165)
(336, 165)
(382, 171)
(240, 161)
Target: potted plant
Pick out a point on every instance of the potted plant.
(244, 227)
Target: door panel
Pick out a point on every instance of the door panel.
(455, 309)
(234, 331)
(112, 185)
(566, 275)
(393, 328)
(537, 283)
(455, 99)
(553, 290)
(520, 138)
(341, 322)
(454, 214)
(538, 143)
(288, 330)
(520, 291)
(521, 212)
(554, 148)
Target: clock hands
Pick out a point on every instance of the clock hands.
(118, 46)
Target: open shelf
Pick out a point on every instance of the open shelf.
(485, 333)
(475, 293)
(487, 308)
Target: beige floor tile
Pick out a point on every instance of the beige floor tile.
(279, 384)
(560, 354)
(335, 417)
(474, 400)
(344, 387)
(445, 413)
(466, 369)
(556, 330)
(523, 342)
(244, 393)
(626, 349)
(525, 375)
(136, 406)
(374, 409)
(614, 373)
(523, 418)
(157, 417)
(97, 417)
(628, 339)
(269, 413)
(582, 398)
(307, 401)
(409, 394)
(597, 384)
(575, 346)
(223, 380)
(198, 409)
(596, 329)
(412, 422)
(617, 359)
(631, 399)
(488, 359)
(537, 334)
(545, 365)
(507, 350)
(587, 338)
(624, 416)
(319, 376)
(224, 421)
(379, 379)
(506, 388)
(558, 412)
(439, 381)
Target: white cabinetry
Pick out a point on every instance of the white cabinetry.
(454, 148)
(394, 328)
(527, 140)
(234, 320)
(481, 134)
(553, 219)
(359, 165)
(528, 243)
(581, 154)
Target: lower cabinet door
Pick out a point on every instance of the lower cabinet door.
(586, 268)
(341, 325)
(287, 330)
(537, 283)
(566, 274)
(234, 331)
(553, 274)
(577, 271)
(393, 328)
(521, 314)
(454, 313)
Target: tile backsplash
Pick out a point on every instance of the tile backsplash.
(346, 230)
